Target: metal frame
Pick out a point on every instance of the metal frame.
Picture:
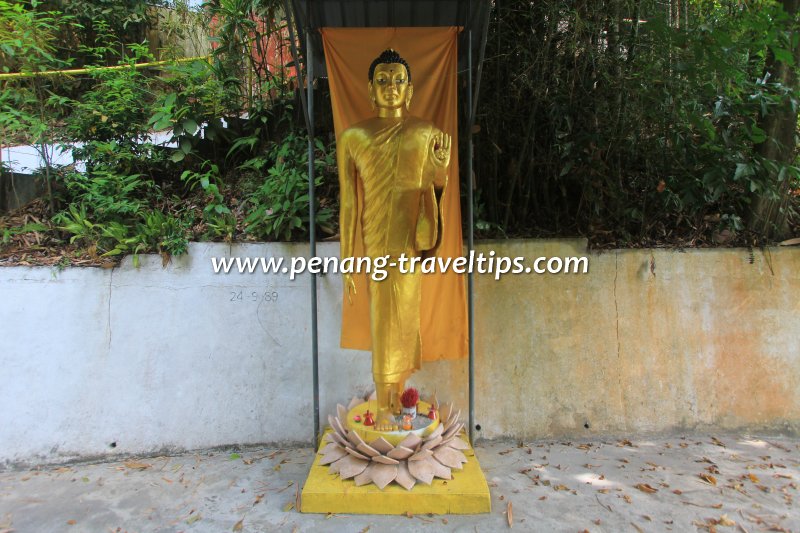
(308, 114)
(307, 100)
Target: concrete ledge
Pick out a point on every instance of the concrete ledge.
(104, 362)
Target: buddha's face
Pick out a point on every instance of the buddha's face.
(389, 88)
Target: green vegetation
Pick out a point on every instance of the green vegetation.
(632, 122)
(238, 169)
(639, 122)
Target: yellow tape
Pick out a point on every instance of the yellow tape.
(73, 72)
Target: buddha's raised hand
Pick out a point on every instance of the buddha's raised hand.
(440, 149)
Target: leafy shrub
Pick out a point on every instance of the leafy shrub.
(210, 181)
(163, 233)
(192, 106)
(116, 107)
(281, 202)
(153, 232)
(112, 196)
(628, 122)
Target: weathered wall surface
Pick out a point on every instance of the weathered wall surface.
(647, 341)
(156, 358)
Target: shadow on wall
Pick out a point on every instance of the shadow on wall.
(19, 189)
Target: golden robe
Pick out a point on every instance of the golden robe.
(390, 161)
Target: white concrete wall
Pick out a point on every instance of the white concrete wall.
(163, 358)
(159, 359)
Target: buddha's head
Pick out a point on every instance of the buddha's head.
(390, 86)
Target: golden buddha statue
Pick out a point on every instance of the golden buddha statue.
(398, 162)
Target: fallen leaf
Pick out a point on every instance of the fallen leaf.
(135, 465)
(542, 498)
(645, 487)
(287, 486)
(708, 479)
(235, 456)
(627, 498)
(560, 487)
(71, 522)
(510, 515)
(239, 526)
(725, 521)
(194, 518)
(596, 521)
(259, 497)
(288, 507)
(677, 491)
(753, 478)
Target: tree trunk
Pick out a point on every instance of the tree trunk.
(768, 217)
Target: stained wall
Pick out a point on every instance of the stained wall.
(99, 362)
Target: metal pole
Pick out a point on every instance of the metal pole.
(308, 111)
(481, 55)
(312, 232)
(296, 58)
(470, 247)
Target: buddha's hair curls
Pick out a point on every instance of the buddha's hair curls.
(386, 57)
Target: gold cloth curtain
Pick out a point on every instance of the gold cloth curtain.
(433, 57)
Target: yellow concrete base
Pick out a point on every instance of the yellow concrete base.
(466, 493)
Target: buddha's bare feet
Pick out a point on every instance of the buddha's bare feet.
(385, 421)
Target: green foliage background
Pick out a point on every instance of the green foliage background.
(631, 122)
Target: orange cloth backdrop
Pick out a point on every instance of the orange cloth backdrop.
(432, 55)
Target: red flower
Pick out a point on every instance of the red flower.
(410, 397)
